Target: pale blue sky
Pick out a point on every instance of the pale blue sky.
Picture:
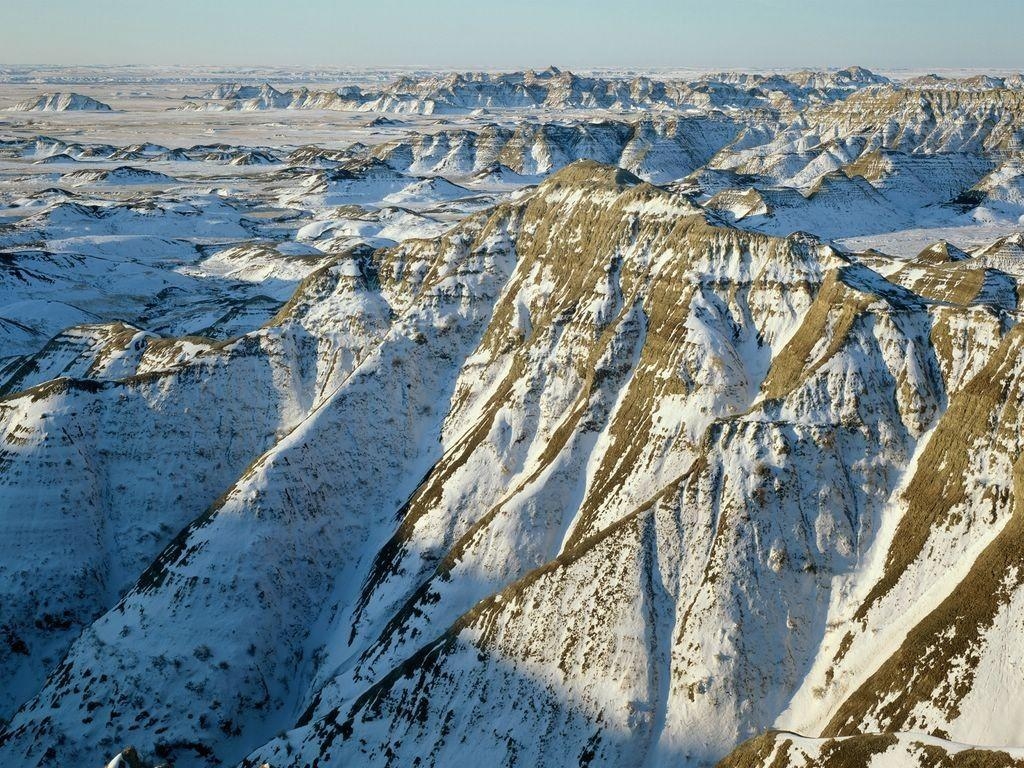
(517, 33)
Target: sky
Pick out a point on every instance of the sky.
(495, 34)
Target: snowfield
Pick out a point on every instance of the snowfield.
(525, 419)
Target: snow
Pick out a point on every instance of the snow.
(333, 436)
(61, 102)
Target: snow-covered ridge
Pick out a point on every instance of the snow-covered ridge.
(634, 455)
(549, 89)
(61, 102)
(532, 435)
(554, 89)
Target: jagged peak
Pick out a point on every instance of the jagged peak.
(942, 252)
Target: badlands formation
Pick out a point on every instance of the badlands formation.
(522, 419)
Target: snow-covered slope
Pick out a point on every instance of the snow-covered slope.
(882, 749)
(658, 429)
(61, 102)
(551, 439)
(657, 149)
(552, 89)
(120, 175)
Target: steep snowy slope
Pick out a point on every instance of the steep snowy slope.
(532, 435)
(611, 401)
(141, 456)
(910, 120)
(421, 342)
